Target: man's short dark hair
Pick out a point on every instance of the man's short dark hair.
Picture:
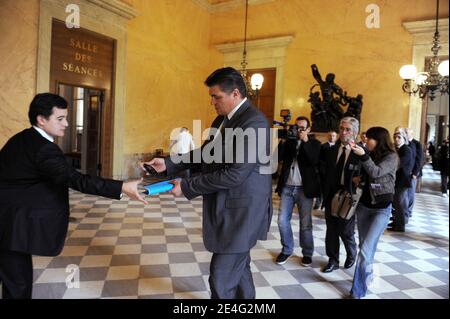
(43, 104)
(303, 118)
(227, 79)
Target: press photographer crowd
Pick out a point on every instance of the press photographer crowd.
(371, 182)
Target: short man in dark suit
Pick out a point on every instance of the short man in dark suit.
(332, 137)
(340, 166)
(363, 139)
(237, 194)
(34, 198)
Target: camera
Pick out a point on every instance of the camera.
(289, 131)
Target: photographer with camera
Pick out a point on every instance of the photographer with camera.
(298, 184)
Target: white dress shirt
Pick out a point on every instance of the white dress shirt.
(44, 134)
(229, 116)
(183, 144)
(295, 178)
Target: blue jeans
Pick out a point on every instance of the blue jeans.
(294, 195)
(371, 224)
(411, 196)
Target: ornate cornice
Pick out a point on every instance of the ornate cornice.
(227, 5)
(118, 7)
(280, 42)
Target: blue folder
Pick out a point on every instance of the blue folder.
(157, 188)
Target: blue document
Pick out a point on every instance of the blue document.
(157, 188)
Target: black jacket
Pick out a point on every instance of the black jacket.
(324, 148)
(404, 171)
(417, 149)
(307, 157)
(443, 158)
(34, 198)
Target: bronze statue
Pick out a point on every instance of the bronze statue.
(327, 112)
(319, 116)
(327, 87)
(354, 106)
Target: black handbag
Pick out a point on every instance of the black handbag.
(343, 204)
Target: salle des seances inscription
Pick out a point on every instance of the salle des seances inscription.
(85, 56)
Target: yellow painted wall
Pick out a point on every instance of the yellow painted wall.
(167, 63)
(18, 48)
(333, 35)
(171, 52)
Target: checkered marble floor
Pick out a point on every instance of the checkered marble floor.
(124, 249)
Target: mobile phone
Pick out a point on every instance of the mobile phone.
(150, 169)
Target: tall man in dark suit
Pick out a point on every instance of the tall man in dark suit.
(417, 151)
(34, 198)
(298, 184)
(237, 201)
(340, 165)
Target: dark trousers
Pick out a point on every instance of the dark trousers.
(317, 202)
(444, 183)
(230, 277)
(400, 205)
(339, 228)
(16, 275)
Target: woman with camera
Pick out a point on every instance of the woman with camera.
(379, 166)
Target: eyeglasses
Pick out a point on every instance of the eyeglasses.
(345, 129)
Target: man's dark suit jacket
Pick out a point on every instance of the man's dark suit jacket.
(34, 198)
(307, 157)
(417, 156)
(331, 182)
(404, 171)
(237, 197)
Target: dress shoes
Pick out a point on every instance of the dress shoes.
(349, 262)
(330, 267)
(396, 229)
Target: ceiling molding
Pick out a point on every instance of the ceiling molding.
(118, 7)
(426, 26)
(255, 44)
(423, 31)
(227, 5)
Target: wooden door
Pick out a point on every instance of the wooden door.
(93, 130)
(266, 99)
